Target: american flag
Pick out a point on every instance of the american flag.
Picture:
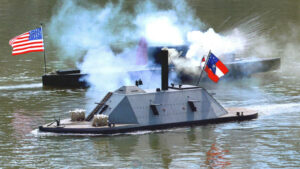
(31, 41)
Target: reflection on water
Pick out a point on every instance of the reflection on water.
(216, 157)
(22, 124)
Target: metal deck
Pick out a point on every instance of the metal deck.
(85, 127)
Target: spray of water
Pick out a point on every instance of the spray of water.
(290, 51)
(22, 86)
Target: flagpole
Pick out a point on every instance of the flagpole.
(45, 65)
(203, 67)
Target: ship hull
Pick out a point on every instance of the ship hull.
(127, 128)
(65, 80)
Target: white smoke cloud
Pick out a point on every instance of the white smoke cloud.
(103, 36)
(165, 26)
(290, 51)
(224, 46)
(203, 42)
(107, 71)
(160, 29)
(105, 39)
(77, 28)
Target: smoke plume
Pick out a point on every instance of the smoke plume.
(107, 41)
(200, 43)
(105, 37)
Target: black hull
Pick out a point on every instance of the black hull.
(65, 80)
(240, 69)
(133, 128)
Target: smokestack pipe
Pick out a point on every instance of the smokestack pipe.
(163, 55)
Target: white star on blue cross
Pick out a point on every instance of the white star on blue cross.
(212, 62)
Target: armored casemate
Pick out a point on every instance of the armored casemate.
(131, 108)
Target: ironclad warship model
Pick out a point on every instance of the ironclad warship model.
(131, 108)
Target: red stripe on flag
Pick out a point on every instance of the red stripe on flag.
(22, 36)
(11, 42)
(222, 67)
(40, 46)
(29, 43)
(39, 50)
(21, 41)
(211, 75)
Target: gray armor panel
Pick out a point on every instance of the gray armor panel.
(133, 107)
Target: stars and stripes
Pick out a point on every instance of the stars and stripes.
(214, 68)
(31, 41)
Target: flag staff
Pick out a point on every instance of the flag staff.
(45, 65)
(208, 56)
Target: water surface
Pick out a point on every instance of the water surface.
(271, 141)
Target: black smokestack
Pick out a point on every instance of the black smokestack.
(163, 55)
